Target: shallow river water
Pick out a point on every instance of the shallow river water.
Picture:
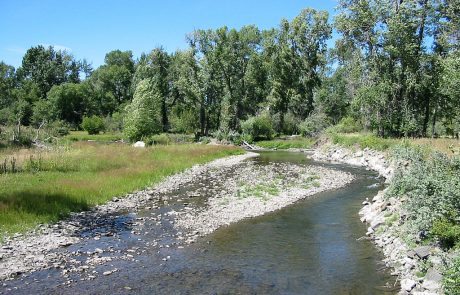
(311, 247)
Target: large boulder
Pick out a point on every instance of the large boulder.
(139, 144)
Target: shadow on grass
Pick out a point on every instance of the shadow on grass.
(50, 206)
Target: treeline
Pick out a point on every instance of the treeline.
(394, 70)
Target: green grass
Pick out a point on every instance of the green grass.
(84, 136)
(283, 144)
(448, 146)
(84, 175)
(363, 140)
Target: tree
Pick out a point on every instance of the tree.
(7, 84)
(297, 54)
(69, 101)
(449, 85)
(112, 82)
(309, 32)
(143, 116)
(333, 97)
(154, 68)
(46, 67)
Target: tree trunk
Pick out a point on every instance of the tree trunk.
(427, 117)
(164, 115)
(434, 121)
(202, 119)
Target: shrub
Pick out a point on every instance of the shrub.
(143, 116)
(447, 232)
(363, 140)
(162, 139)
(93, 124)
(258, 127)
(291, 124)
(187, 121)
(348, 125)
(59, 128)
(314, 125)
(429, 183)
(452, 278)
(114, 123)
(205, 140)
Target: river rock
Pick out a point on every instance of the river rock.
(422, 252)
(407, 284)
(432, 280)
(377, 221)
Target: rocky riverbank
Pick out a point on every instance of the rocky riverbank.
(45, 247)
(418, 268)
(174, 213)
(254, 190)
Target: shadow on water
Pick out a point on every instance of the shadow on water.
(311, 247)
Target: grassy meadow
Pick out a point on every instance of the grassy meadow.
(45, 186)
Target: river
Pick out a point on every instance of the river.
(312, 247)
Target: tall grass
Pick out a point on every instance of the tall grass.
(84, 136)
(282, 144)
(448, 146)
(85, 175)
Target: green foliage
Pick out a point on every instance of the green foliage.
(314, 125)
(113, 79)
(429, 184)
(59, 128)
(84, 136)
(447, 232)
(346, 125)
(46, 67)
(303, 143)
(290, 124)
(114, 123)
(162, 139)
(333, 97)
(185, 122)
(258, 127)
(93, 124)
(143, 116)
(452, 278)
(363, 140)
(69, 102)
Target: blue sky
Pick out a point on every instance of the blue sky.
(90, 29)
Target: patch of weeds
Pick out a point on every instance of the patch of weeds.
(451, 280)
(262, 191)
(381, 229)
(316, 183)
(392, 218)
(312, 177)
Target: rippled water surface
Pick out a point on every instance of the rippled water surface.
(311, 247)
